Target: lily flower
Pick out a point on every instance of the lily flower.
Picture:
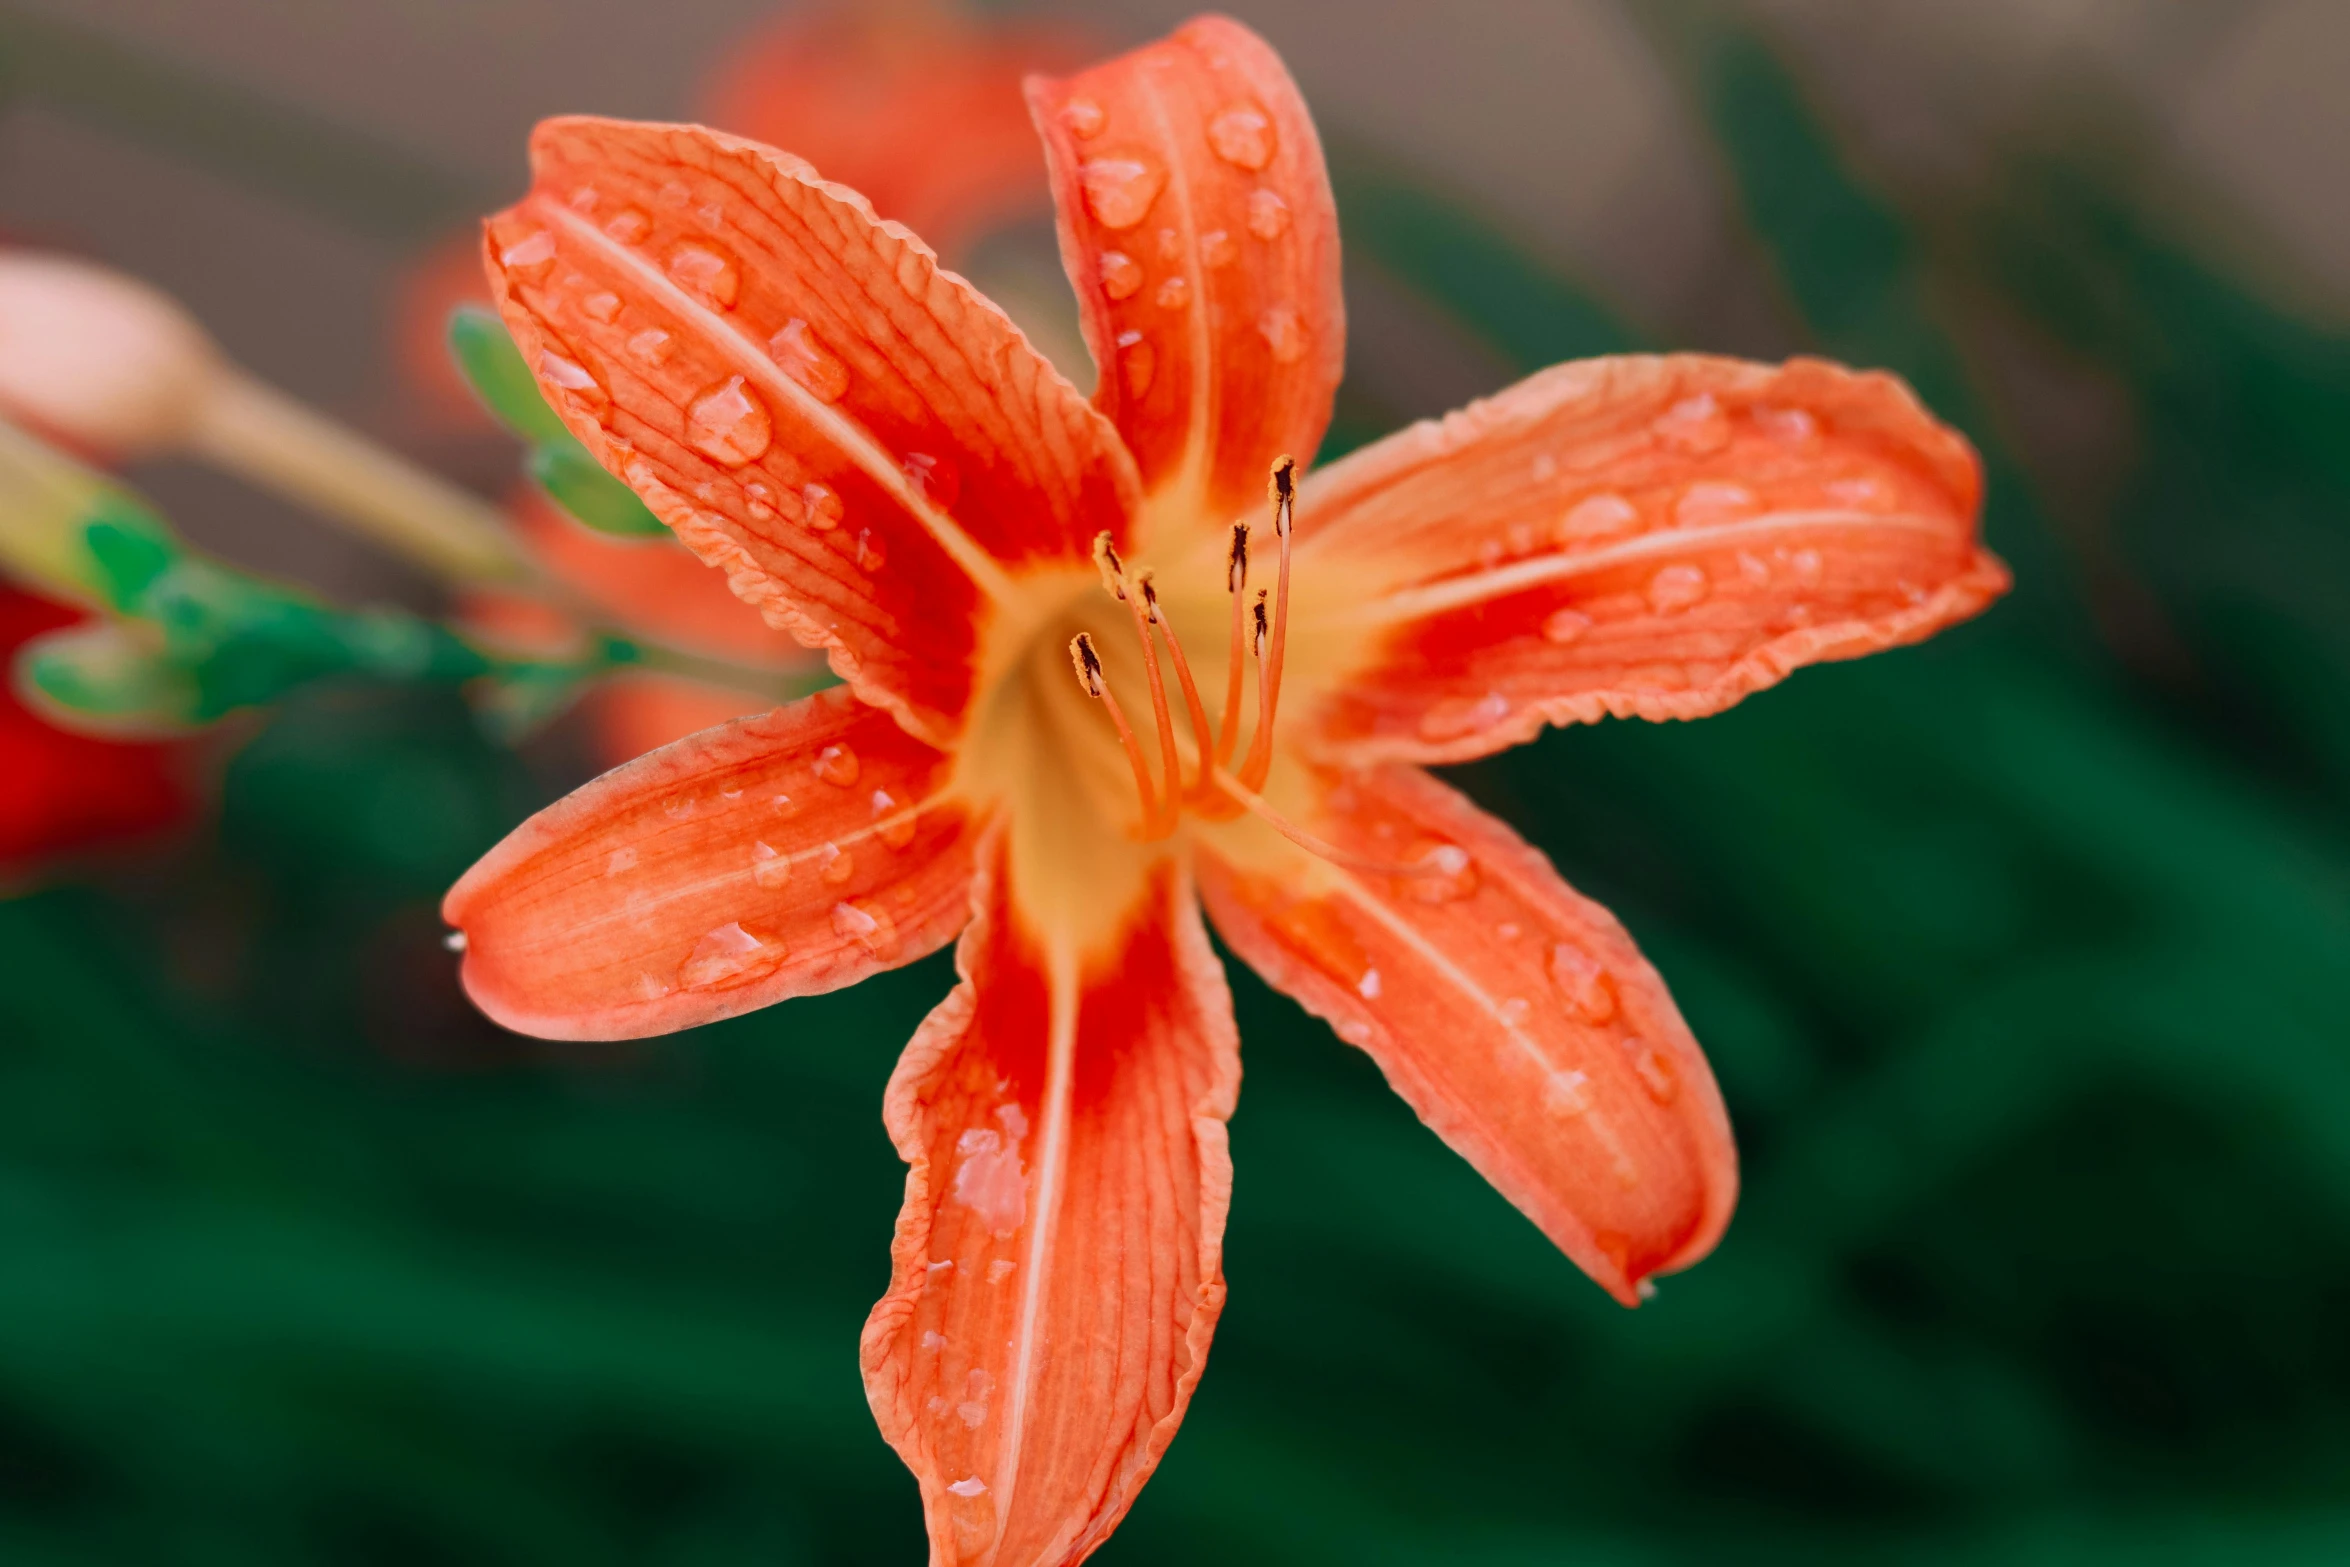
(1109, 662)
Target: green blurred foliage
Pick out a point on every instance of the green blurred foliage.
(2020, 956)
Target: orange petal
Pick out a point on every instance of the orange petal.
(917, 106)
(1058, 1266)
(869, 448)
(1197, 226)
(779, 856)
(651, 586)
(1516, 1017)
(1639, 536)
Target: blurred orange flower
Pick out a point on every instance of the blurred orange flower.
(1003, 570)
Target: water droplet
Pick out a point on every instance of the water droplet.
(806, 360)
(1242, 135)
(1268, 214)
(934, 478)
(1368, 987)
(711, 214)
(628, 225)
(784, 806)
(1137, 362)
(1675, 588)
(678, 807)
(1806, 563)
(1706, 503)
(835, 864)
(1119, 191)
(1565, 1093)
(768, 868)
(1509, 930)
(1000, 1270)
(1170, 245)
(1121, 274)
(1565, 625)
(894, 825)
(620, 860)
(1217, 248)
(1582, 983)
(1694, 424)
(585, 198)
(969, 1485)
(837, 764)
(759, 500)
(1513, 1011)
(569, 374)
(1597, 517)
(872, 554)
(1284, 334)
(972, 1411)
(604, 306)
(673, 193)
(729, 952)
(652, 345)
(729, 425)
(869, 927)
(530, 255)
(1084, 117)
(454, 941)
(1463, 715)
(651, 989)
(1857, 492)
(1644, 1288)
(1355, 1031)
(1752, 571)
(1654, 1071)
(1489, 553)
(1174, 293)
(989, 1180)
(1521, 538)
(1447, 872)
(1788, 426)
(821, 509)
(934, 1340)
(707, 273)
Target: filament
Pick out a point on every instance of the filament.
(1320, 848)
(1191, 702)
(1281, 489)
(1113, 570)
(1089, 675)
(1235, 583)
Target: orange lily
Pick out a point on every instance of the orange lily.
(1004, 572)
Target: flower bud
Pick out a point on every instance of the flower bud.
(96, 359)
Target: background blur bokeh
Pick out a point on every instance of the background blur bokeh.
(2021, 956)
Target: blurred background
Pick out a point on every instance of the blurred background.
(2021, 956)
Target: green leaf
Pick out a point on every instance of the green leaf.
(493, 367)
(581, 487)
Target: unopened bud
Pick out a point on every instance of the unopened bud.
(96, 359)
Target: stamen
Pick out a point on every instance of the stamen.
(1191, 703)
(1236, 583)
(1106, 561)
(1320, 848)
(1113, 570)
(1281, 489)
(1088, 665)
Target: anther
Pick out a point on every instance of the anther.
(1088, 665)
(1106, 561)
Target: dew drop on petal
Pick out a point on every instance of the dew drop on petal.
(1084, 117)
(759, 500)
(1565, 625)
(1582, 984)
(769, 868)
(1217, 248)
(1565, 1094)
(628, 225)
(1788, 426)
(678, 807)
(868, 926)
(1000, 1270)
(1857, 492)
(1752, 571)
(1137, 362)
(821, 509)
(1174, 293)
(806, 360)
(934, 478)
(531, 255)
(1242, 135)
(1654, 1071)
(620, 860)
(893, 824)
(1806, 563)
(601, 306)
(837, 764)
(726, 953)
(1284, 334)
(569, 374)
(1268, 214)
(1513, 1011)
(650, 989)
(707, 273)
(1447, 873)
(730, 425)
(872, 554)
(835, 864)
(673, 193)
(1706, 503)
(1121, 274)
(1463, 715)
(1597, 517)
(1675, 588)
(1170, 245)
(585, 198)
(1119, 191)
(1368, 987)
(652, 345)
(1694, 424)
(969, 1485)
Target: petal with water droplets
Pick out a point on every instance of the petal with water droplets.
(1517, 1018)
(1195, 169)
(1651, 537)
(1058, 1263)
(641, 903)
(788, 345)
